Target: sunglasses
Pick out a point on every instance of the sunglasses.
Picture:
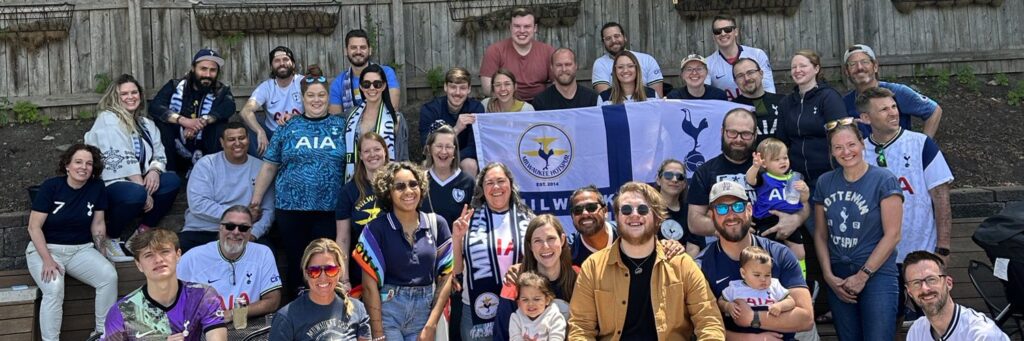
(590, 207)
(737, 207)
(641, 209)
(320, 79)
(726, 30)
(233, 226)
(673, 176)
(881, 158)
(831, 125)
(377, 84)
(316, 270)
(402, 186)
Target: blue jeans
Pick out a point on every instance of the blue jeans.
(873, 317)
(126, 200)
(406, 311)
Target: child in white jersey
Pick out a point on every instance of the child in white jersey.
(537, 319)
(757, 288)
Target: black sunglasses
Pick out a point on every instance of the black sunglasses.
(673, 176)
(232, 226)
(320, 79)
(641, 209)
(402, 186)
(377, 84)
(727, 29)
(590, 207)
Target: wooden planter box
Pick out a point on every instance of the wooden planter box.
(906, 6)
(703, 8)
(278, 18)
(18, 313)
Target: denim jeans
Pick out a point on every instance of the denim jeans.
(126, 200)
(81, 262)
(873, 317)
(406, 310)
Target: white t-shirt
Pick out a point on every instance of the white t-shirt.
(755, 297)
(278, 101)
(251, 276)
(967, 324)
(720, 71)
(916, 160)
(603, 67)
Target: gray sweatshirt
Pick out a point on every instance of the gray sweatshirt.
(216, 184)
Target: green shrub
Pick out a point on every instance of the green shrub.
(1016, 96)
(966, 77)
(26, 112)
(435, 79)
(1001, 79)
(102, 82)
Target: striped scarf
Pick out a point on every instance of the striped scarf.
(385, 127)
(482, 272)
(183, 147)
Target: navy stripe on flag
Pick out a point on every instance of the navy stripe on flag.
(620, 160)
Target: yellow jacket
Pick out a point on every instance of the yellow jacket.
(680, 295)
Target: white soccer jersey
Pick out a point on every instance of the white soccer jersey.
(755, 297)
(917, 162)
(278, 101)
(967, 324)
(720, 71)
(251, 276)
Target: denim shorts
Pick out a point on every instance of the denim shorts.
(405, 310)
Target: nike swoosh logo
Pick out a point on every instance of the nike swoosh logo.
(139, 336)
(211, 280)
(274, 102)
(720, 281)
(719, 76)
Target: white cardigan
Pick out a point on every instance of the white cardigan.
(118, 150)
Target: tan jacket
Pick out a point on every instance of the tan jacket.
(680, 295)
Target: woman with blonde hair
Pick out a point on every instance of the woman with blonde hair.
(326, 308)
(357, 203)
(135, 176)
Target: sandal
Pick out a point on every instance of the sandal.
(825, 318)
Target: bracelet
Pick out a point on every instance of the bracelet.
(378, 338)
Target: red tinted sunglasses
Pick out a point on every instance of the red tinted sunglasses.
(317, 270)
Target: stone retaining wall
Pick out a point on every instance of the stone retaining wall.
(966, 202)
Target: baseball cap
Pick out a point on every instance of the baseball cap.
(208, 54)
(726, 188)
(693, 57)
(858, 48)
(284, 49)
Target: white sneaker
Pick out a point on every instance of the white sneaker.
(115, 252)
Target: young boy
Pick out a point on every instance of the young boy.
(757, 288)
(768, 175)
(164, 308)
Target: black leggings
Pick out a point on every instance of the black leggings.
(297, 229)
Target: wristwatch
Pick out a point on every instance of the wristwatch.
(865, 269)
(756, 323)
(942, 251)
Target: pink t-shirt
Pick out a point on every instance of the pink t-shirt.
(532, 70)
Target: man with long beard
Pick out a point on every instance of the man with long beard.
(191, 112)
(633, 291)
(345, 93)
(731, 214)
(929, 287)
(237, 268)
(280, 97)
(738, 135)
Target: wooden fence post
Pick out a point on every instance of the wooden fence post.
(398, 25)
(135, 39)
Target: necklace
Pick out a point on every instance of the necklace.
(639, 267)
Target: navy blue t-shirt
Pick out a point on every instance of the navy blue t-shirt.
(719, 270)
(405, 264)
(69, 211)
(710, 92)
(581, 252)
(447, 197)
(359, 212)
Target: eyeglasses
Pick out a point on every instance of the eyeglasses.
(726, 30)
(746, 135)
(881, 157)
(863, 62)
(232, 226)
(314, 271)
(590, 207)
(930, 280)
(831, 125)
(749, 73)
(694, 70)
(377, 84)
(673, 176)
(737, 207)
(320, 79)
(402, 186)
(641, 209)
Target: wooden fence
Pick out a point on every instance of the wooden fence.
(155, 40)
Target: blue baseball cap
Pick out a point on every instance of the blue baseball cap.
(208, 54)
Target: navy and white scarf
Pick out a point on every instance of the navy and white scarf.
(385, 127)
(188, 148)
(482, 272)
